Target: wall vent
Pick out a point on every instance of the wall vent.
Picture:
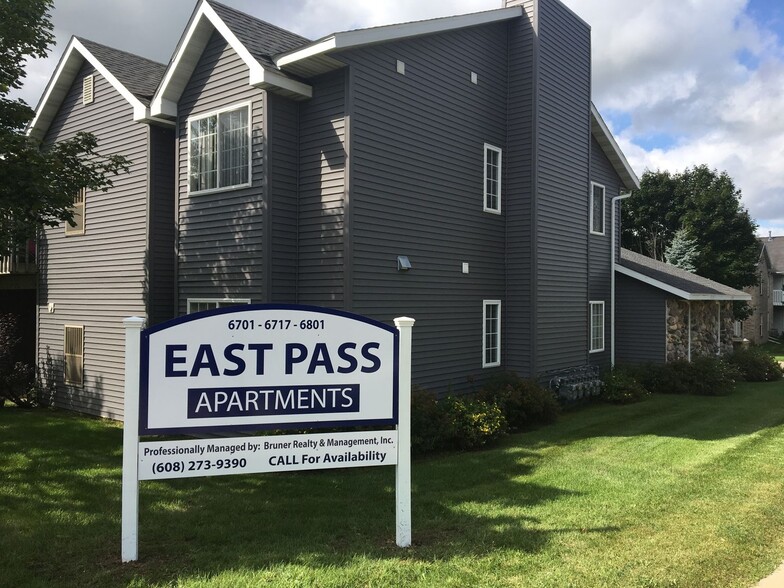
(87, 89)
(73, 350)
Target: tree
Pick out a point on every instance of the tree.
(707, 205)
(38, 184)
(683, 252)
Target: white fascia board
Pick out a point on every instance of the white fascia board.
(265, 77)
(61, 82)
(611, 140)
(677, 291)
(357, 38)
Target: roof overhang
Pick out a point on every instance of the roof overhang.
(740, 296)
(313, 59)
(611, 150)
(68, 67)
(200, 28)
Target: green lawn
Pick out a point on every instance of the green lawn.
(675, 491)
(775, 349)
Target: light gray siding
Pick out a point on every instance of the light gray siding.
(602, 172)
(221, 236)
(416, 189)
(322, 187)
(97, 279)
(641, 322)
(562, 160)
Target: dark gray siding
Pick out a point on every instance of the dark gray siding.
(602, 172)
(519, 177)
(160, 259)
(562, 159)
(416, 178)
(97, 279)
(322, 166)
(640, 321)
(284, 166)
(220, 244)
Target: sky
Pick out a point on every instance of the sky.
(679, 82)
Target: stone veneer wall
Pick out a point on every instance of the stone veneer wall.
(704, 324)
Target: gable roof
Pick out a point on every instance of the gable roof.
(254, 40)
(134, 77)
(674, 280)
(774, 246)
(606, 141)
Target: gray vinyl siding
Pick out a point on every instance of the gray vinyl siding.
(561, 216)
(641, 322)
(322, 177)
(221, 234)
(416, 189)
(96, 279)
(160, 260)
(284, 168)
(599, 286)
(519, 179)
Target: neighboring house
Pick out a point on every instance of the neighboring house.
(118, 260)
(453, 170)
(766, 298)
(664, 313)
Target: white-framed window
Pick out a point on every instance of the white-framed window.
(597, 325)
(73, 354)
(597, 209)
(199, 304)
(88, 89)
(491, 333)
(492, 198)
(219, 155)
(78, 214)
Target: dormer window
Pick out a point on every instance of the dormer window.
(87, 89)
(219, 145)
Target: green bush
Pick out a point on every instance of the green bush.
(471, 423)
(428, 422)
(704, 376)
(524, 403)
(17, 379)
(621, 387)
(755, 365)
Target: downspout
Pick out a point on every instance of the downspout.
(689, 303)
(613, 231)
(718, 330)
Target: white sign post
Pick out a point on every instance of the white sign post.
(265, 367)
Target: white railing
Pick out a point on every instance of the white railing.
(778, 297)
(20, 262)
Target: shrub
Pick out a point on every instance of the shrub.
(704, 376)
(471, 423)
(17, 379)
(621, 387)
(428, 422)
(755, 365)
(524, 403)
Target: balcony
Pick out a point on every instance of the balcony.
(778, 297)
(22, 261)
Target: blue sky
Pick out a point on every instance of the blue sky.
(680, 82)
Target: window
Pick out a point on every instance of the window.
(78, 214)
(597, 209)
(88, 95)
(492, 179)
(491, 333)
(597, 326)
(219, 146)
(73, 347)
(199, 304)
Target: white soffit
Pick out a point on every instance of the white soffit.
(610, 148)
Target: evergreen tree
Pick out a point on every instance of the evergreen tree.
(683, 252)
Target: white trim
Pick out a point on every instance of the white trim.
(603, 232)
(216, 301)
(591, 304)
(88, 89)
(216, 113)
(357, 38)
(677, 291)
(485, 208)
(485, 304)
(625, 172)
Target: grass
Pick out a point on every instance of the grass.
(675, 491)
(775, 349)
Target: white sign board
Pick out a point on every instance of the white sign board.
(262, 367)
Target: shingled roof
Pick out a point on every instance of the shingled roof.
(140, 75)
(775, 248)
(675, 280)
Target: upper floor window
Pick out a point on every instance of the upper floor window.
(78, 214)
(491, 333)
(597, 209)
(492, 179)
(219, 145)
(597, 326)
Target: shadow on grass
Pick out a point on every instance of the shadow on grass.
(60, 510)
